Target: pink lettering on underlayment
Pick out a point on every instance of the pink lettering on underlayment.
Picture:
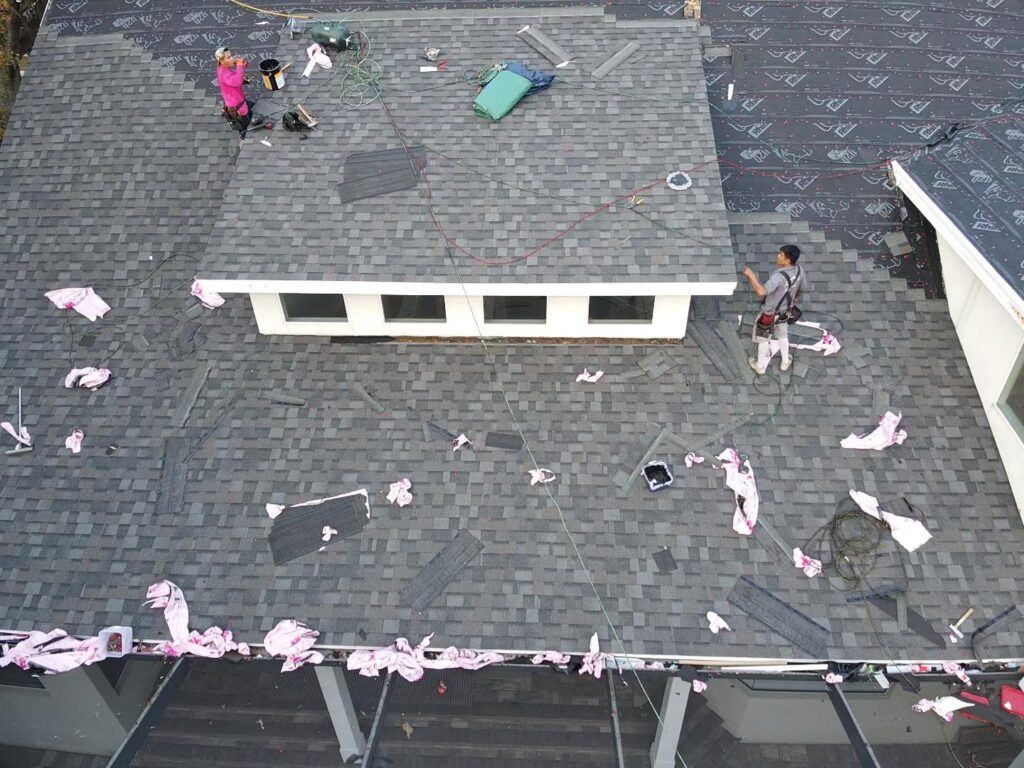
(87, 378)
(211, 644)
(83, 300)
(739, 477)
(54, 651)
(910, 533)
(410, 662)
(885, 434)
(209, 299)
(293, 640)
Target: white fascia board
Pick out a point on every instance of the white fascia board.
(978, 264)
(358, 287)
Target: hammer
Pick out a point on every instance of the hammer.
(955, 635)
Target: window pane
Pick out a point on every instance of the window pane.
(413, 307)
(313, 306)
(515, 309)
(1015, 395)
(621, 309)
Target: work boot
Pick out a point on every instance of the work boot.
(753, 364)
(786, 365)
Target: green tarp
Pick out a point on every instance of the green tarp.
(501, 94)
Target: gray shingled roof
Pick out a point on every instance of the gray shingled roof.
(85, 535)
(976, 179)
(499, 189)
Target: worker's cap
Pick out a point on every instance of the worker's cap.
(221, 52)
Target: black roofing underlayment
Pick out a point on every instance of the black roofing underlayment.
(297, 531)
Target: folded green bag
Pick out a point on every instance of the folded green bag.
(501, 94)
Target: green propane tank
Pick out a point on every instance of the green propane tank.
(332, 33)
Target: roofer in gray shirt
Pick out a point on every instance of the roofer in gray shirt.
(779, 296)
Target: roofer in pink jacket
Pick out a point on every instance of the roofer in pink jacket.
(231, 79)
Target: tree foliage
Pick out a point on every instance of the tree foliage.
(19, 22)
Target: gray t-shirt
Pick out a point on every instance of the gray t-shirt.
(776, 287)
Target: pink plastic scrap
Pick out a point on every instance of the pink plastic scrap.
(944, 706)
(884, 435)
(692, 458)
(411, 662)
(54, 651)
(399, 493)
(699, 686)
(833, 679)
(828, 344)
(910, 533)
(809, 565)
(209, 299)
(542, 476)
(328, 533)
(953, 668)
(274, 510)
(293, 640)
(594, 662)
(717, 623)
(22, 437)
(83, 300)
(590, 378)
(87, 378)
(551, 657)
(73, 442)
(739, 477)
(317, 57)
(212, 644)
(460, 441)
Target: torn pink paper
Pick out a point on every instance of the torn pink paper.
(22, 437)
(809, 565)
(885, 434)
(54, 651)
(828, 344)
(399, 493)
(73, 442)
(274, 510)
(83, 300)
(411, 662)
(317, 57)
(953, 668)
(910, 533)
(87, 378)
(212, 644)
(460, 441)
(833, 679)
(692, 458)
(551, 657)
(717, 623)
(243, 649)
(541, 475)
(594, 662)
(209, 299)
(293, 640)
(739, 477)
(699, 686)
(590, 378)
(328, 533)
(943, 706)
